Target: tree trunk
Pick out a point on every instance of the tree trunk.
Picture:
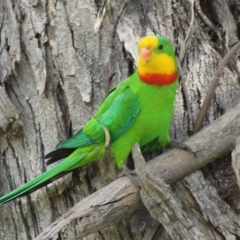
(59, 59)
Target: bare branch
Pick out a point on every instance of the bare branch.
(118, 199)
(213, 86)
(236, 160)
(164, 201)
(163, 204)
(121, 198)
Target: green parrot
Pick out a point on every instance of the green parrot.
(138, 110)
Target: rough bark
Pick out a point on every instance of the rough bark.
(235, 160)
(58, 59)
(121, 198)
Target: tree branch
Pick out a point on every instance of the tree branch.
(236, 160)
(199, 215)
(213, 86)
(121, 198)
(163, 203)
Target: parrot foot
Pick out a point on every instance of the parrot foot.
(182, 146)
(130, 174)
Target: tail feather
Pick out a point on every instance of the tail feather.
(58, 154)
(57, 171)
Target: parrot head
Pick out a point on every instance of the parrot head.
(157, 63)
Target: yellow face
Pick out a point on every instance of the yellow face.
(159, 59)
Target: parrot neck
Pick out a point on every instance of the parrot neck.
(159, 69)
(158, 78)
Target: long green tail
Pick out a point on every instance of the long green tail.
(57, 171)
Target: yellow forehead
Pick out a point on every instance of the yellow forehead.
(149, 41)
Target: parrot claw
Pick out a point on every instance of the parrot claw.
(182, 146)
(130, 174)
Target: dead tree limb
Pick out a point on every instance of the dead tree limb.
(163, 204)
(121, 198)
(196, 214)
(236, 160)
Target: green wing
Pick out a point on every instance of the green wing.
(80, 139)
(121, 113)
(117, 112)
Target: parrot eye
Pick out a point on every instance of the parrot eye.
(160, 47)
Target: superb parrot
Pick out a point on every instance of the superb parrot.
(138, 110)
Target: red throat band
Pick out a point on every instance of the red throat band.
(159, 79)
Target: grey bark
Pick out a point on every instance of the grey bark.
(121, 198)
(236, 160)
(58, 59)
